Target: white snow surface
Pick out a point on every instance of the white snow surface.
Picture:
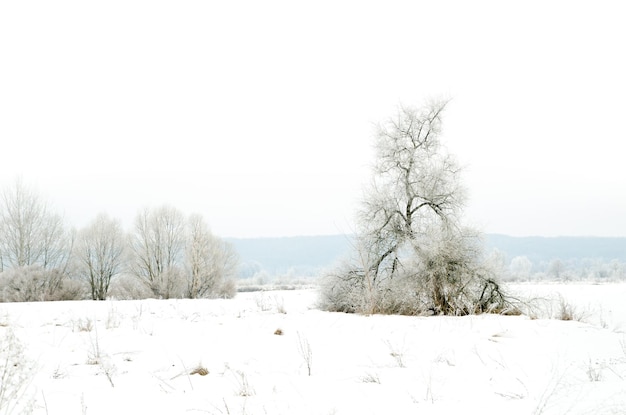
(136, 357)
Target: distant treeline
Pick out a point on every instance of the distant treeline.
(543, 249)
(308, 256)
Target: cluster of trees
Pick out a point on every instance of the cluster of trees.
(521, 268)
(166, 255)
(413, 255)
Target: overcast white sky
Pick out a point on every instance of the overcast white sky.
(259, 115)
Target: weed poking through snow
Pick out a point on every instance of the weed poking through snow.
(304, 347)
(15, 376)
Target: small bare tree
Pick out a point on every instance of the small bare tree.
(414, 254)
(210, 263)
(157, 246)
(100, 254)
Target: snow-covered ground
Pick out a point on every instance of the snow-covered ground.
(274, 353)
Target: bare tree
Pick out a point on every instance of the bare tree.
(158, 245)
(198, 263)
(30, 233)
(417, 256)
(100, 254)
(35, 247)
(210, 262)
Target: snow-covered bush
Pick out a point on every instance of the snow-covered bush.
(34, 283)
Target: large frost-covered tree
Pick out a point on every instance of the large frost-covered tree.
(413, 253)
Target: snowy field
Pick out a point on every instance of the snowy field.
(274, 353)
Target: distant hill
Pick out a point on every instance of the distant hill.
(300, 255)
(307, 256)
